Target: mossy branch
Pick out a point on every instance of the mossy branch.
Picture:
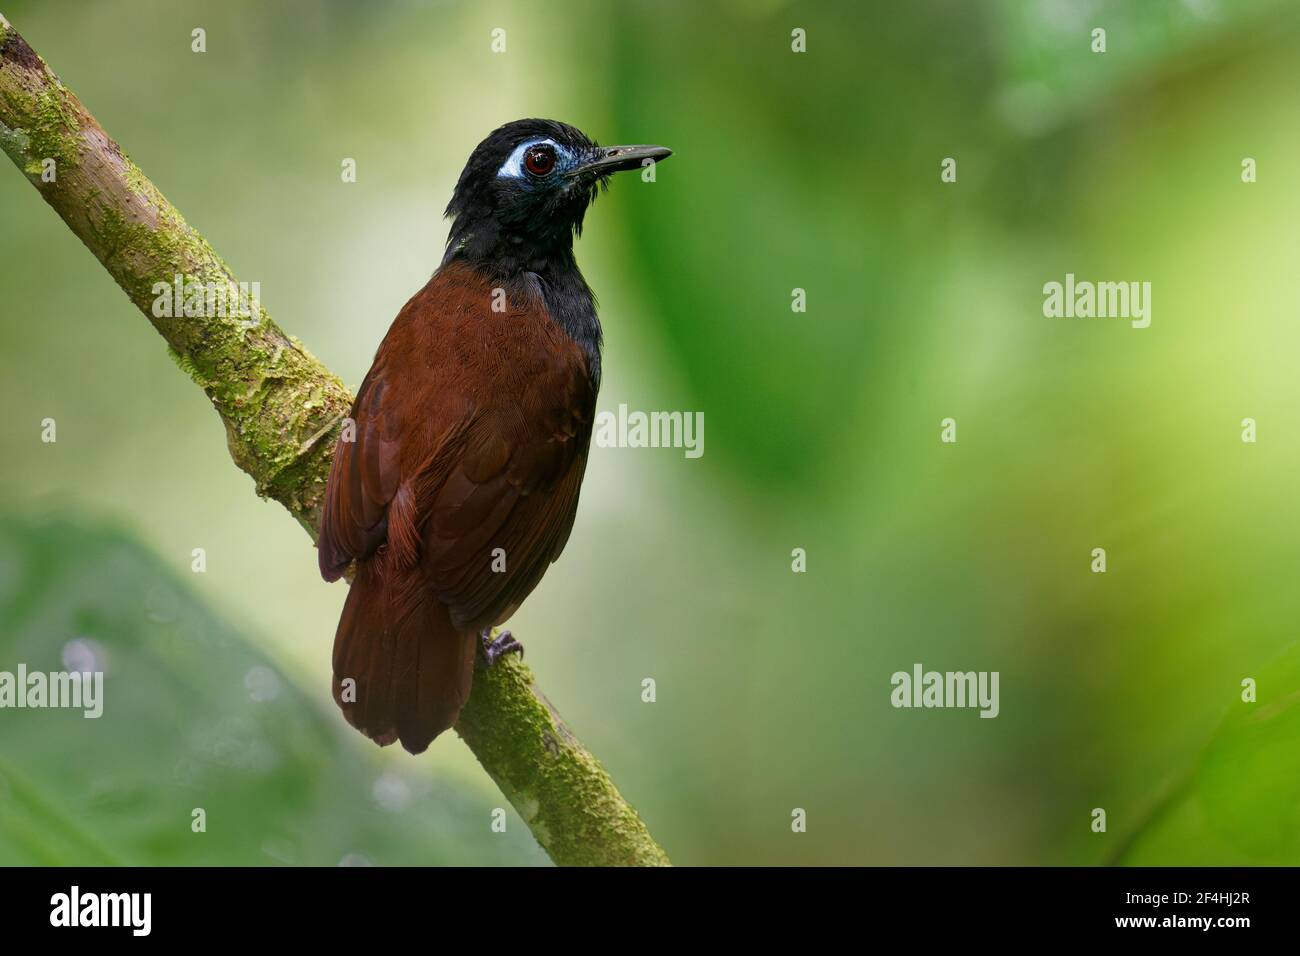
(280, 407)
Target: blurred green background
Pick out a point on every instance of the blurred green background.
(819, 171)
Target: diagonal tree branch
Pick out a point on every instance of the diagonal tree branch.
(281, 408)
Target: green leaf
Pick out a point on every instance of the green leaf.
(1240, 804)
(1249, 780)
(193, 717)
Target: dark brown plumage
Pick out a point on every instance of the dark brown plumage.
(472, 431)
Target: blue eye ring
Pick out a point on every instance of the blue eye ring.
(539, 160)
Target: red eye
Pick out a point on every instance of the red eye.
(539, 160)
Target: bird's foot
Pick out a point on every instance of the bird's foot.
(504, 643)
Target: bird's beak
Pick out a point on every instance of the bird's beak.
(612, 159)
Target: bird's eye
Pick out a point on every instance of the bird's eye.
(539, 160)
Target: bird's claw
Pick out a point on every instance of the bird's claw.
(494, 649)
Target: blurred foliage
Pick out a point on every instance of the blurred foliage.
(1249, 779)
(817, 171)
(1240, 802)
(193, 717)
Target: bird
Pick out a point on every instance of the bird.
(455, 479)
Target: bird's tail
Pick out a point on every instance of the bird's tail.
(401, 670)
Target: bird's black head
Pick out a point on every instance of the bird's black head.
(525, 189)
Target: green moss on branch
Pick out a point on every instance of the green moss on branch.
(272, 395)
(561, 790)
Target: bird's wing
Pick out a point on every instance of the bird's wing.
(505, 507)
(364, 477)
(472, 432)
